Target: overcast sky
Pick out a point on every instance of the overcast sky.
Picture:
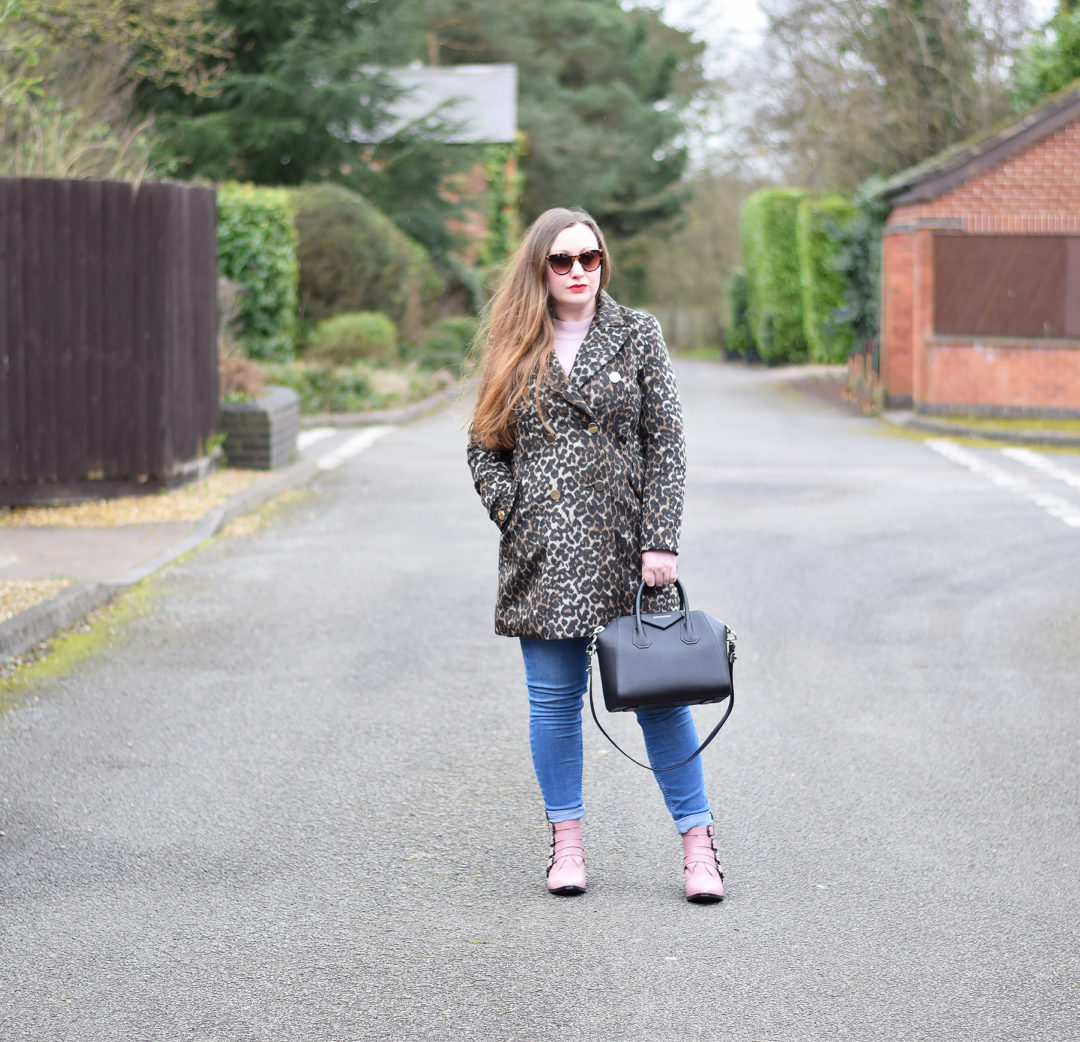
(738, 24)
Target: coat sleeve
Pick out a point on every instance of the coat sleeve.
(493, 477)
(663, 446)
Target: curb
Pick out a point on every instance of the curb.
(799, 377)
(44, 620)
(926, 425)
(404, 414)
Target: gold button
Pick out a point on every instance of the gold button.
(555, 493)
(593, 429)
(501, 515)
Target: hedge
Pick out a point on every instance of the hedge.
(354, 336)
(739, 337)
(257, 244)
(823, 284)
(354, 258)
(859, 260)
(768, 224)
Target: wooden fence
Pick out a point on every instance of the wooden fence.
(689, 329)
(108, 361)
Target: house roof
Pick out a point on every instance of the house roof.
(945, 171)
(477, 103)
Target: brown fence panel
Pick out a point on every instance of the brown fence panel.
(1001, 285)
(202, 243)
(116, 351)
(108, 369)
(10, 322)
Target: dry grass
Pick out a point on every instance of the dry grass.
(183, 504)
(17, 595)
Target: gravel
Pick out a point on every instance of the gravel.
(188, 503)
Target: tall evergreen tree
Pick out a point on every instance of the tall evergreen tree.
(601, 89)
(297, 81)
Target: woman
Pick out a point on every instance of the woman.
(576, 449)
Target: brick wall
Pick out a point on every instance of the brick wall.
(1036, 192)
(897, 315)
(1033, 192)
(1001, 377)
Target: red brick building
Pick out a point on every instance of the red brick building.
(981, 274)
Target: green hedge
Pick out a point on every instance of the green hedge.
(257, 243)
(354, 336)
(327, 388)
(859, 260)
(739, 336)
(446, 346)
(820, 222)
(354, 258)
(768, 225)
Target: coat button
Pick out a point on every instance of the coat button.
(593, 428)
(555, 493)
(599, 486)
(614, 377)
(501, 515)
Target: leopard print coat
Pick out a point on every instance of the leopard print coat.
(577, 505)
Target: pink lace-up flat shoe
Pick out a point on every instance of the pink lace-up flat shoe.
(704, 877)
(566, 858)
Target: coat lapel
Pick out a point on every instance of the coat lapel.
(601, 344)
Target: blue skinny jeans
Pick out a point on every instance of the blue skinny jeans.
(556, 673)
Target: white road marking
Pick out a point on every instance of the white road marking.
(1044, 465)
(357, 443)
(1056, 506)
(313, 435)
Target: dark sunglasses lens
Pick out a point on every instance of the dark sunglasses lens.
(561, 263)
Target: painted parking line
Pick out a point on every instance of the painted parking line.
(356, 444)
(1056, 506)
(313, 435)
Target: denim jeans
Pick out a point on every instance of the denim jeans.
(556, 672)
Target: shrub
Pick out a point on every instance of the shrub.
(859, 259)
(768, 224)
(446, 346)
(353, 337)
(361, 387)
(739, 336)
(325, 388)
(463, 287)
(823, 284)
(256, 241)
(354, 258)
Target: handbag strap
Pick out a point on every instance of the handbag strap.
(697, 752)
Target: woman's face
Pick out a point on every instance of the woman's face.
(574, 294)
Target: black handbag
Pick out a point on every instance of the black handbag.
(652, 660)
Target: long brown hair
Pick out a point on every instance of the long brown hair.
(516, 333)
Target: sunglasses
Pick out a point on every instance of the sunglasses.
(561, 263)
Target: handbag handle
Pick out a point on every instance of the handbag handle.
(641, 640)
(638, 623)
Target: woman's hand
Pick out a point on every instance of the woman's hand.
(658, 567)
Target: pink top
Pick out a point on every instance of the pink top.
(568, 338)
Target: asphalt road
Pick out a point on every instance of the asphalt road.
(294, 801)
